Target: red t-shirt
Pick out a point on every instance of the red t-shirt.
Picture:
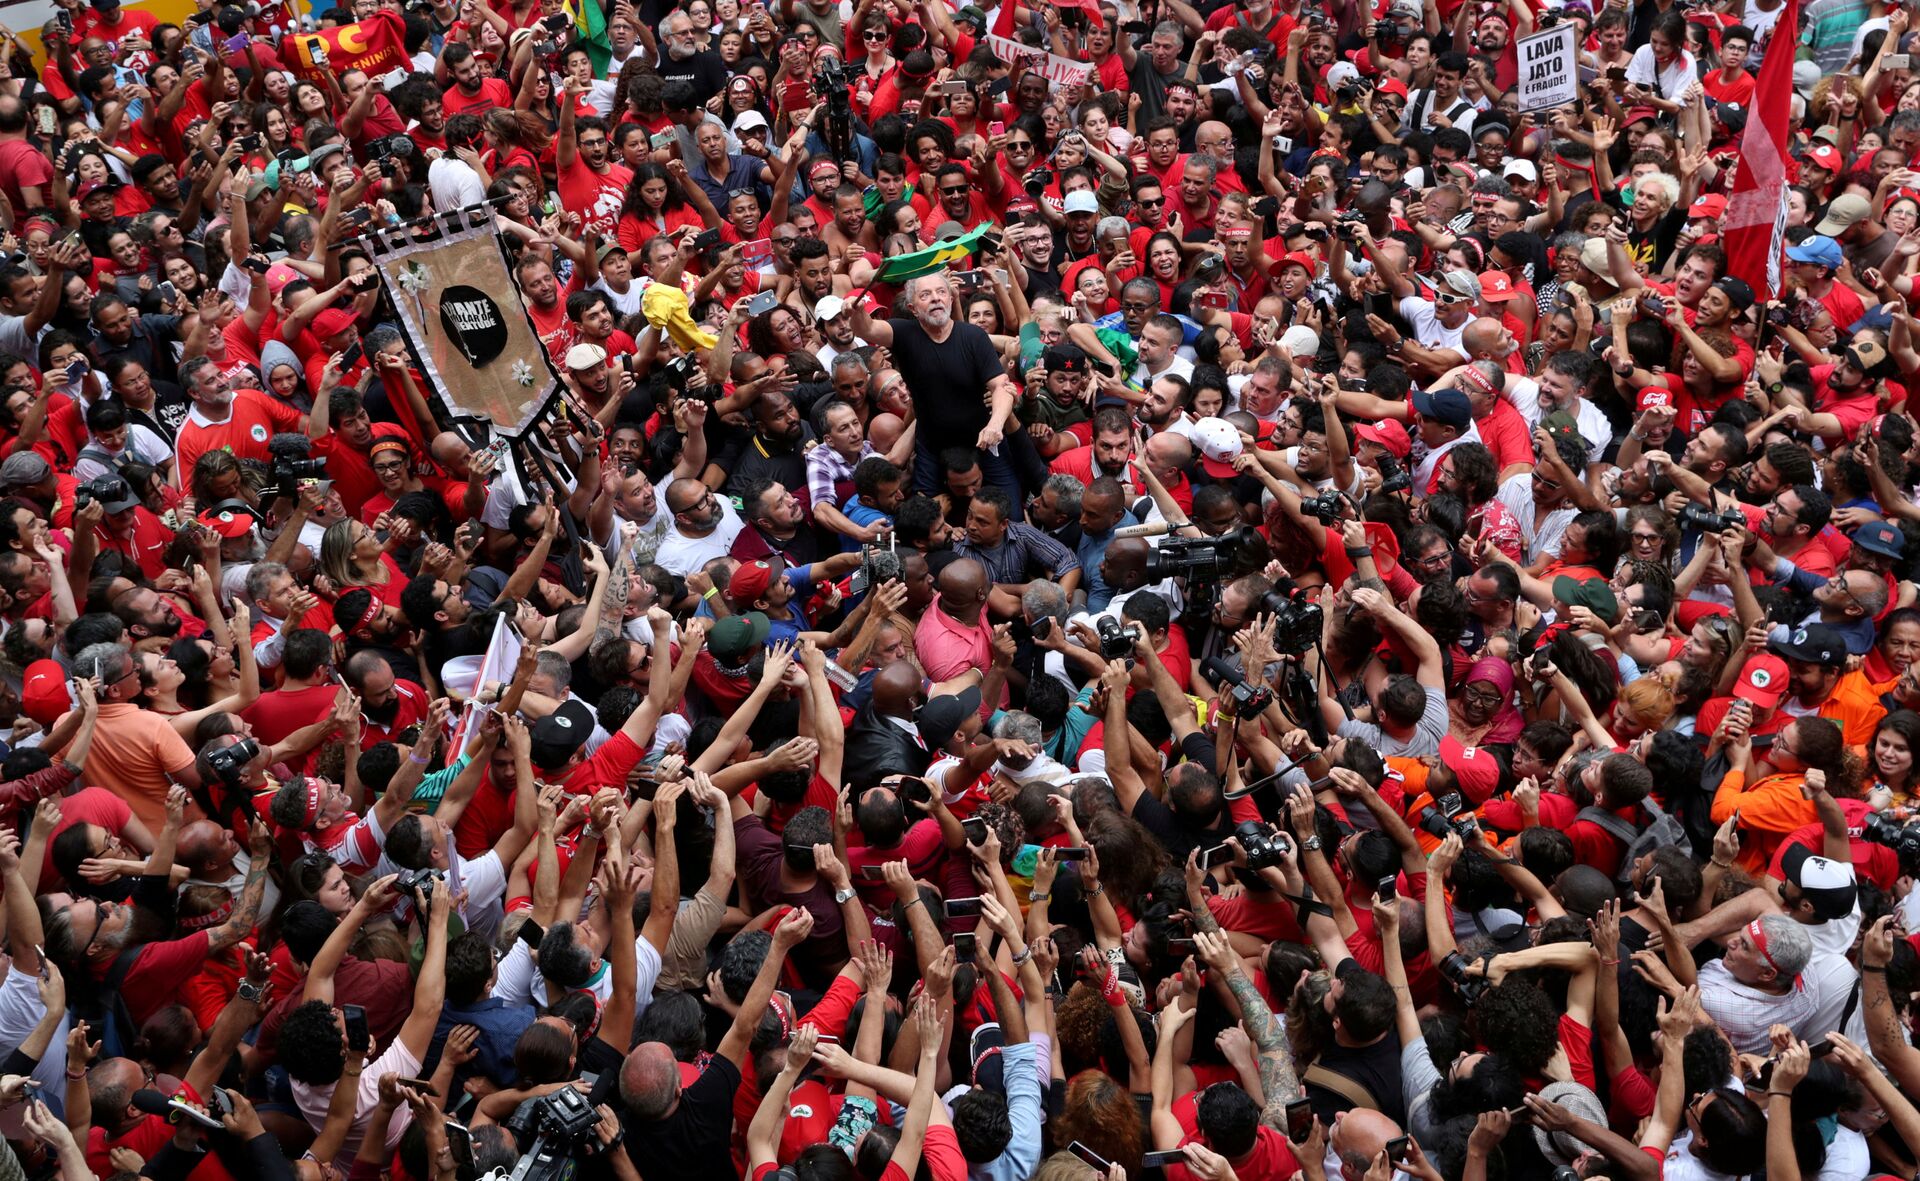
(253, 420)
(279, 713)
(595, 196)
(493, 93)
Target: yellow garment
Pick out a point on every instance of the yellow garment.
(665, 307)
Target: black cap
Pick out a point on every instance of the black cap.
(1816, 643)
(555, 737)
(1738, 292)
(941, 717)
(1064, 358)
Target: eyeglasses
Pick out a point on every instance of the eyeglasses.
(1485, 694)
(785, 240)
(102, 911)
(1839, 583)
(390, 467)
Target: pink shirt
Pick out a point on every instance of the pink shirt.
(948, 648)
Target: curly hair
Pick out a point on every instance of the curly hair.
(1077, 1021)
(1102, 1115)
(1519, 1021)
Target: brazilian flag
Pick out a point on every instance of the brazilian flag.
(938, 256)
(590, 32)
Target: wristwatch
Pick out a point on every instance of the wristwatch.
(250, 992)
(843, 896)
(1310, 844)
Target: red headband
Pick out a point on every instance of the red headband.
(212, 918)
(313, 802)
(1759, 936)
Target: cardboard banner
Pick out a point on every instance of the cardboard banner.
(1061, 71)
(462, 314)
(376, 45)
(1549, 68)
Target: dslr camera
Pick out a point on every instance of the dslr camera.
(1116, 642)
(1393, 477)
(1454, 970)
(1903, 839)
(1695, 516)
(1197, 557)
(1325, 508)
(416, 881)
(230, 762)
(1248, 699)
(1297, 620)
(1265, 845)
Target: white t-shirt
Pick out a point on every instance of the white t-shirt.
(1424, 317)
(20, 1011)
(454, 184)
(1524, 393)
(1668, 83)
(682, 555)
(1542, 536)
(518, 980)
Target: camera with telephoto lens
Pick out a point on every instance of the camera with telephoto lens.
(1392, 31)
(1297, 619)
(1453, 969)
(230, 762)
(1249, 699)
(1325, 508)
(562, 1125)
(1903, 839)
(1036, 182)
(1265, 845)
(830, 83)
(82, 497)
(1696, 516)
(1116, 642)
(288, 473)
(1393, 477)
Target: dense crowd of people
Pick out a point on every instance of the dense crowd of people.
(1108, 590)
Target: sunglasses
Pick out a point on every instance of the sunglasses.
(874, 35)
(1449, 300)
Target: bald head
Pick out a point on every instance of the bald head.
(1167, 449)
(896, 688)
(683, 494)
(963, 589)
(1360, 1136)
(650, 1081)
(1125, 565)
(200, 845)
(1481, 336)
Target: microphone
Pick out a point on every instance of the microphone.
(174, 1111)
(1150, 529)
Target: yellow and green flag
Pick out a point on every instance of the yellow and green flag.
(590, 31)
(902, 267)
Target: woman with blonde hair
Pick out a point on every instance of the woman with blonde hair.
(351, 555)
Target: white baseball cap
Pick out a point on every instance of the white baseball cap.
(1523, 169)
(828, 308)
(1082, 201)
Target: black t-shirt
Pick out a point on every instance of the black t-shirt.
(946, 379)
(1375, 1067)
(695, 1140)
(704, 71)
(1179, 836)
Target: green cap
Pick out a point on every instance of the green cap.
(735, 636)
(1592, 593)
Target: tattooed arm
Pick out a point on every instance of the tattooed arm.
(1884, 1033)
(1277, 1077)
(613, 601)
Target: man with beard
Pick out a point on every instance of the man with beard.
(684, 61)
(1562, 388)
(1442, 99)
(438, 611)
(545, 305)
(1494, 60)
(1038, 258)
(373, 626)
(961, 202)
(1160, 344)
(591, 185)
(629, 502)
(813, 278)
(959, 389)
(704, 526)
(151, 622)
(225, 420)
(1195, 196)
(473, 92)
(1103, 508)
(136, 753)
(777, 449)
(159, 182)
(388, 704)
(1106, 456)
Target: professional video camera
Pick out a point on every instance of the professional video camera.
(1199, 558)
(1248, 699)
(1699, 517)
(230, 762)
(562, 1126)
(1265, 845)
(1116, 642)
(830, 83)
(1389, 32)
(1903, 839)
(1297, 620)
(293, 462)
(384, 153)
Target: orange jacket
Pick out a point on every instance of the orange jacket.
(1769, 810)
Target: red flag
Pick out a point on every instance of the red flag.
(1090, 7)
(1003, 23)
(1754, 229)
(376, 45)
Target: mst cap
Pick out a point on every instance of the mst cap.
(227, 524)
(750, 582)
(555, 737)
(1762, 680)
(1816, 643)
(1592, 593)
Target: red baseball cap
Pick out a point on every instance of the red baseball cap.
(1390, 435)
(1477, 770)
(1496, 287)
(1709, 205)
(1653, 395)
(332, 322)
(751, 580)
(1392, 86)
(1763, 680)
(1300, 258)
(1828, 157)
(227, 524)
(43, 692)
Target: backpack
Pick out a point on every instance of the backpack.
(105, 1010)
(1664, 829)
